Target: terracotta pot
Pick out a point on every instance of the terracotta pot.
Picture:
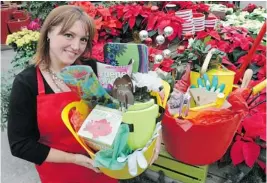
(19, 15)
(5, 16)
(17, 25)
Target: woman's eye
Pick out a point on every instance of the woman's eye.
(84, 40)
(68, 35)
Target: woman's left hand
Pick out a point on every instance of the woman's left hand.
(157, 149)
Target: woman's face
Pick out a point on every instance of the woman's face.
(65, 48)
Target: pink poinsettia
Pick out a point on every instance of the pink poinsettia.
(35, 25)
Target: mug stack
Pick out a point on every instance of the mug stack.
(188, 25)
(199, 21)
(210, 22)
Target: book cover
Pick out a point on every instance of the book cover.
(101, 125)
(119, 54)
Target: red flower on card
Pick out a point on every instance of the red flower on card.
(99, 128)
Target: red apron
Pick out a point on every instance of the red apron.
(55, 134)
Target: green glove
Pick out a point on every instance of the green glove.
(213, 86)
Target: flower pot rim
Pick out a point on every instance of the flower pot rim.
(185, 10)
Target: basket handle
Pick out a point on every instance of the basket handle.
(206, 62)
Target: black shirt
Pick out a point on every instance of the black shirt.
(23, 133)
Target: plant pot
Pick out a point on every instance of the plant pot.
(187, 26)
(17, 25)
(199, 24)
(201, 27)
(188, 29)
(19, 15)
(5, 16)
(184, 12)
(198, 17)
(185, 16)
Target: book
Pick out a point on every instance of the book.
(100, 127)
(119, 54)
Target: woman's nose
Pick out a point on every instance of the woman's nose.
(75, 45)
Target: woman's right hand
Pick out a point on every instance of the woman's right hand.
(85, 161)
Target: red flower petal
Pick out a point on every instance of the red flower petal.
(251, 153)
(202, 34)
(215, 35)
(262, 165)
(236, 152)
(131, 21)
(254, 125)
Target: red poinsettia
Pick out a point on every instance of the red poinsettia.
(159, 20)
(130, 14)
(166, 64)
(253, 126)
(250, 7)
(231, 40)
(88, 7)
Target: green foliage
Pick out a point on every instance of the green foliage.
(40, 9)
(197, 54)
(6, 85)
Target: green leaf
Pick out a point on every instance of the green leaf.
(138, 20)
(237, 53)
(207, 39)
(152, 33)
(125, 27)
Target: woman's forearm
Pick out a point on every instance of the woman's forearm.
(58, 156)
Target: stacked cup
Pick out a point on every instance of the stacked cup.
(210, 22)
(199, 21)
(188, 25)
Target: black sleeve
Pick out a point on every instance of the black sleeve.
(23, 133)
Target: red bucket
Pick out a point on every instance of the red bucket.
(201, 144)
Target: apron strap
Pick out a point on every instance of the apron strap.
(40, 82)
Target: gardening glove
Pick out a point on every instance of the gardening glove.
(213, 86)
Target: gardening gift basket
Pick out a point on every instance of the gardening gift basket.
(199, 123)
(133, 121)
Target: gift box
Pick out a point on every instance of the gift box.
(100, 127)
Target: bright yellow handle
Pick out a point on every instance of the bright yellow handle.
(83, 109)
(259, 87)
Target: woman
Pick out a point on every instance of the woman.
(35, 130)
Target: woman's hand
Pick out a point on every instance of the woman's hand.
(157, 149)
(85, 161)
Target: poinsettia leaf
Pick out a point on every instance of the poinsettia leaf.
(245, 45)
(125, 27)
(207, 39)
(131, 21)
(262, 73)
(254, 68)
(237, 53)
(262, 156)
(254, 125)
(262, 164)
(215, 35)
(251, 153)
(202, 34)
(237, 152)
(138, 20)
(152, 19)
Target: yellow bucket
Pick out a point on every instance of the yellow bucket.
(117, 174)
(225, 76)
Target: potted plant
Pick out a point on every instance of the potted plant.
(247, 153)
